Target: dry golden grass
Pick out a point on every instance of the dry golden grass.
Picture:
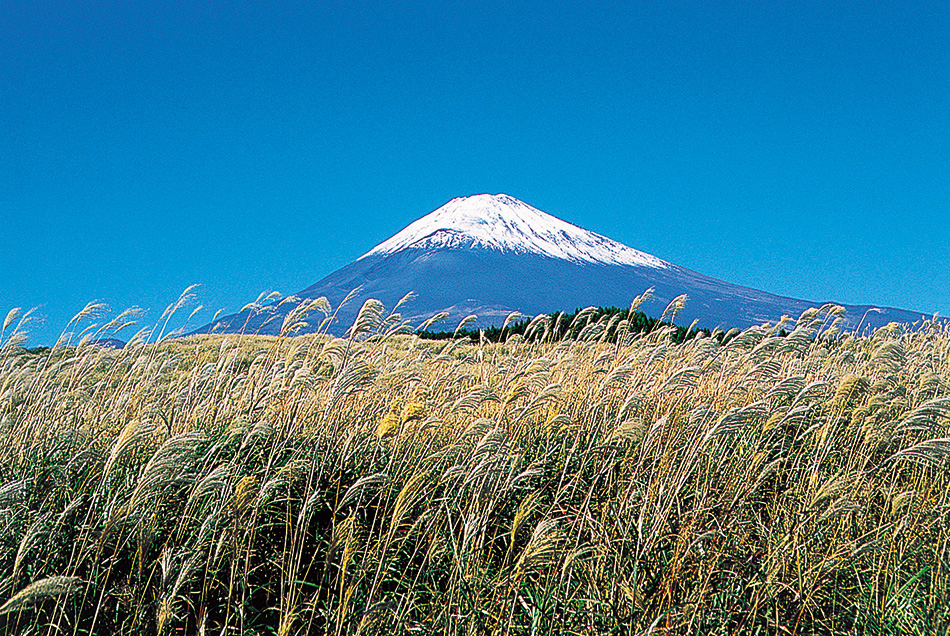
(383, 484)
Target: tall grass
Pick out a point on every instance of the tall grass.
(384, 484)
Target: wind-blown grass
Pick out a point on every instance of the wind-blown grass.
(385, 484)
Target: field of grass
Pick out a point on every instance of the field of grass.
(383, 484)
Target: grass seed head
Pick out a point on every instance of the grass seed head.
(39, 591)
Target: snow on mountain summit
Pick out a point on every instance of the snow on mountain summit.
(501, 222)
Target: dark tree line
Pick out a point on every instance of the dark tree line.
(606, 322)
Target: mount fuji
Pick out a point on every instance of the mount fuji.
(490, 255)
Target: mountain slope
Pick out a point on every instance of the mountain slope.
(489, 255)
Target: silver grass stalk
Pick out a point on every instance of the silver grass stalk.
(642, 298)
(540, 323)
(630, 430)
(50, 587)
(363, 485)
(409, 296)
(676, 305)
(168, 462)
(541, 548)
(353, 293)
(807, 316)
(739, 418)
(681, 378)
(786, 387)
(932, 452)
(91, 310)
(13, 491)
(11, 316)
(439, 317)
(475, 397)
(39, 526)
(214, 482)
(512, 317)
(357, 375)
(927, 416)
(131, 434)
(407, 498)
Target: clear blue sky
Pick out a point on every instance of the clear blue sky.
(802, 148)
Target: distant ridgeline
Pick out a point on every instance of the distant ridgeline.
(593, 323)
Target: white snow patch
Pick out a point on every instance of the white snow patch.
(504, 223)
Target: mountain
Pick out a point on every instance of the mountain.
(490, 255)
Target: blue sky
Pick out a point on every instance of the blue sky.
(800, 148)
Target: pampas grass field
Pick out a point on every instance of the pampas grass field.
(615, 483)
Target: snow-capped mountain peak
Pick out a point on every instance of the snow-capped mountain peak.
(501, 222)
(490, 255)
